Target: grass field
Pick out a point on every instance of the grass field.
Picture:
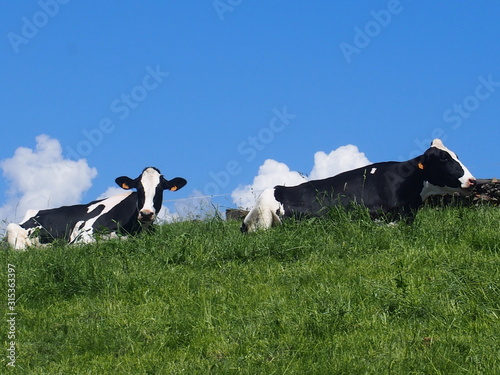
(340, 295)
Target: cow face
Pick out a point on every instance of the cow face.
(150, 185)
(443, 171)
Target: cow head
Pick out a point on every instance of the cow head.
(150, 185)
(443, 171)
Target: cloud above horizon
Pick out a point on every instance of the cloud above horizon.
(337, 161)
(42, 178)
(273, 173)
(270, 174)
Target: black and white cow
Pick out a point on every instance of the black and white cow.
(129, 213)
(389, 189)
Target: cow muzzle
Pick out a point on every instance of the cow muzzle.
(146, 216)
(469, 183)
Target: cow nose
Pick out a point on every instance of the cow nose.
(146, 215)
(472, 181)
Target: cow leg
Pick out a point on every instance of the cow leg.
(114, 236)
(18, 237)
(86, 237)
(81, 236)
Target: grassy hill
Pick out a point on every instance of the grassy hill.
(341, 295)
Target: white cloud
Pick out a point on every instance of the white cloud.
(340, 160)
(165, 216)
(273, 173)
(270, 174)
(42, 178)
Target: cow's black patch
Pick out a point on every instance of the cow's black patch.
(59, 222)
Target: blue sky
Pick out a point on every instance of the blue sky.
(210, 90)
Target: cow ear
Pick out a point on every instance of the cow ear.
(174, 184)
(424, 159)
(125, 182)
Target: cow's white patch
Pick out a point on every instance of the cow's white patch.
(19, 238)
(265, 213)
(150, 180)
(430, 189)
(83, 230)
(108, 203)
(373, 171)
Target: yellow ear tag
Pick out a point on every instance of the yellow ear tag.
(420, 166)
(125, 186)
(173, 188)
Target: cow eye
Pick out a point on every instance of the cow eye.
(444, 157)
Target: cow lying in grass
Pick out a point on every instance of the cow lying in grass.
(127, 213)
(389, 189)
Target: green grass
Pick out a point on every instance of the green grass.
(342, 295)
